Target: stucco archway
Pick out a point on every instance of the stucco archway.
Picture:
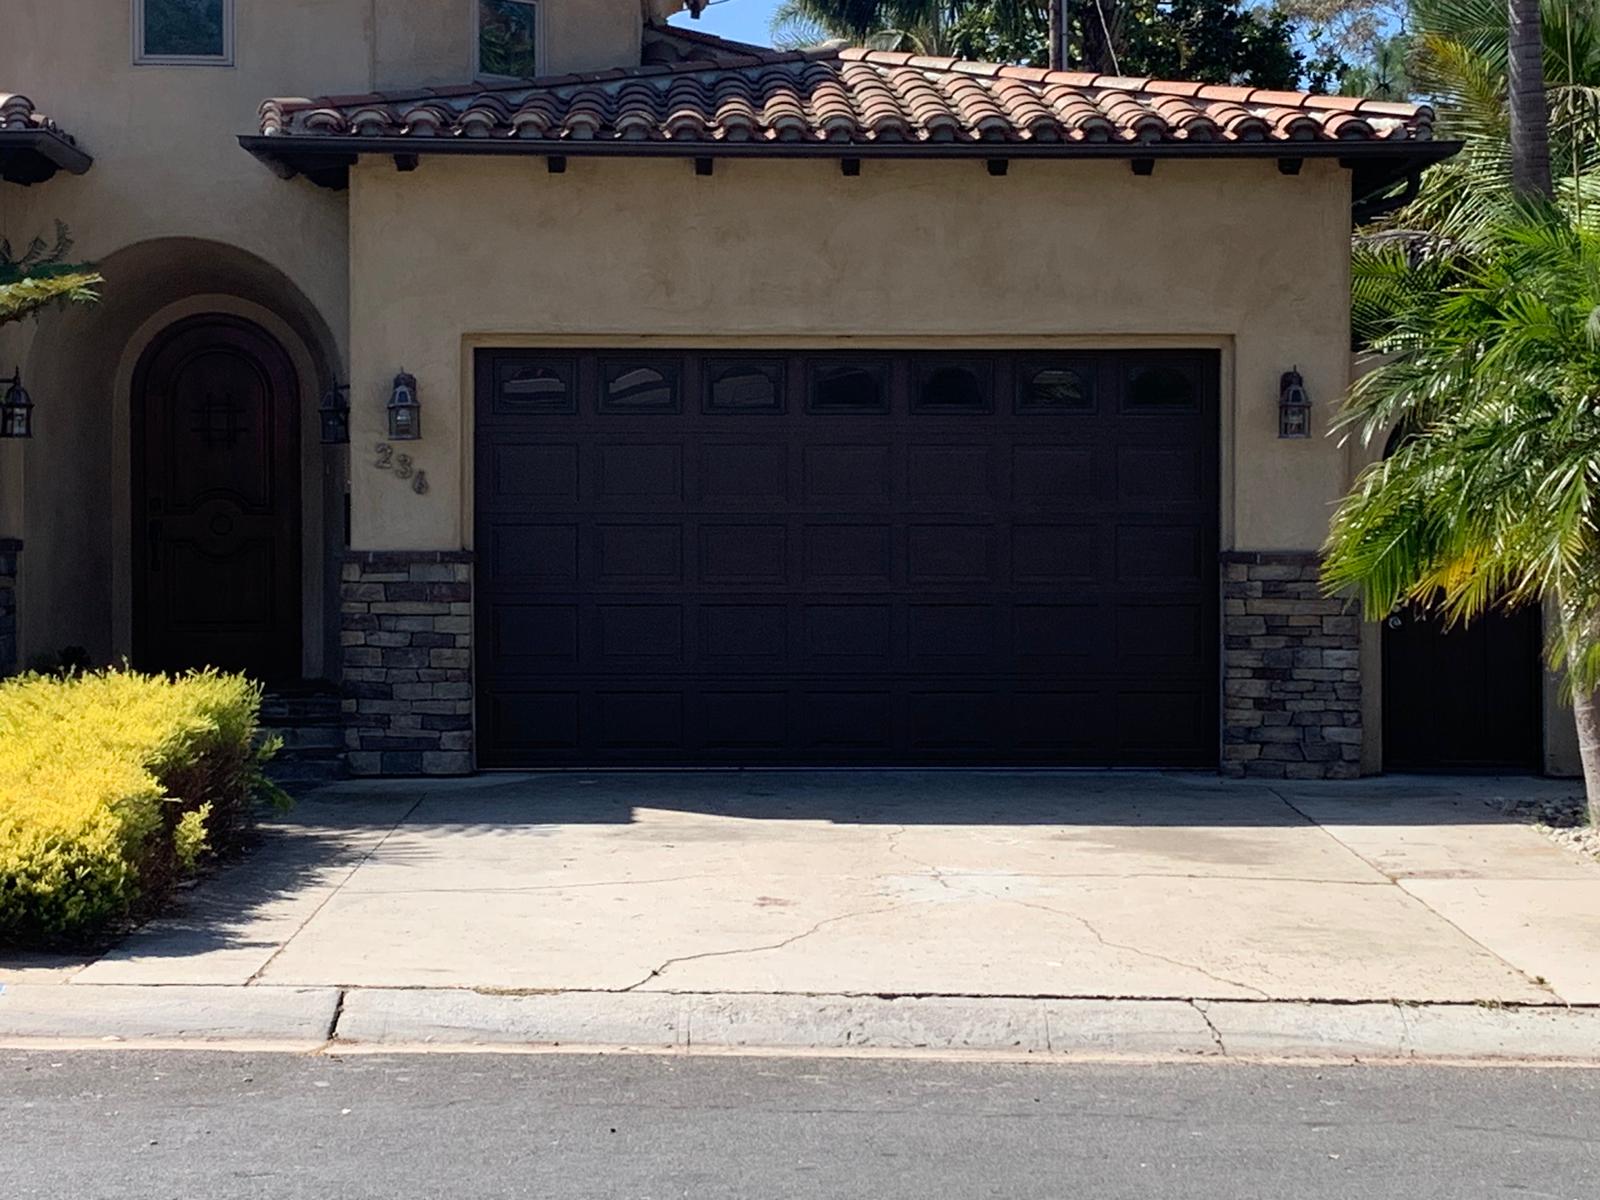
(74, 584)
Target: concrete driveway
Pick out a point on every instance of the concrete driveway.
(895, 884)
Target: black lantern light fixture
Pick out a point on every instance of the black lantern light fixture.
(405, 410)
(16, 410)
(335, 414)
(1294, 406)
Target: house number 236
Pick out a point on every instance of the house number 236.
(402, 466)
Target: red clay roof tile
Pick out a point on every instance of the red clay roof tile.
(851, 96)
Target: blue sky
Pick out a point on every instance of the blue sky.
(742, 20)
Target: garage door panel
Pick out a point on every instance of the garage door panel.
(639, 472)
(848, 554)
(848, 472)
(744, 553)
(939, 633)
(940, 475)
(950, 553)
(535, 636)
(1064, 553)
(966, 558)
(744, 472)
(744, 720)
(638, 554)
(532, 554)
(841, 636)
(1172, 554)
(1054, 474)
(744, 637)
(643, 634)
(639, 720)
(518, 473)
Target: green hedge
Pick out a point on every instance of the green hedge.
(112, 786)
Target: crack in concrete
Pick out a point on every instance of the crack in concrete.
(894, 836)
(1538, 982)
(1216, 1034)
(1151, 954)
(334, 891)
(779, 945)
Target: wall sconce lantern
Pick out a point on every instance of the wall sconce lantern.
(335, 414)
(1294, 406)
(405, 410)
(16, 410)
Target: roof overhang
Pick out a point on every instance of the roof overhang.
(1376, 166)
(35, 155)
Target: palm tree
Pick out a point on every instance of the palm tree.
(41, 276)
(1461, 60)
(1493, 496)
(1530, 133)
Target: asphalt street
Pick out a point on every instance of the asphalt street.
(198, 1126)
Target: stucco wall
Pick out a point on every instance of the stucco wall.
(467, 252)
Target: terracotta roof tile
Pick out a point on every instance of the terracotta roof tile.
(17, 114)
(851, 97)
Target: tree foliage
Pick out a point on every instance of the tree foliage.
(1492, 374)
(41, 275)
(1214, 41)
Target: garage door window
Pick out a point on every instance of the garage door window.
(1162, 389)
(1055, 389)
(744, 386)
(542, 387)
(954, 387)
(849, 388)
(633, 387)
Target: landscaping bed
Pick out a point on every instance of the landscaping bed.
(113, 787)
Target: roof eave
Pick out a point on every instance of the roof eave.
(29, 156)
(326, 160)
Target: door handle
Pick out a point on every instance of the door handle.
(154, 532)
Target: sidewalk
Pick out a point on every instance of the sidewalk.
(1146, 914)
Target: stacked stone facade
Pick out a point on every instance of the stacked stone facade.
(406, 629)
(10, 550)
(1291, 671)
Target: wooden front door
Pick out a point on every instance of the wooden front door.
(216, 486)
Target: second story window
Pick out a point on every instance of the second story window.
(507, 39)
(183, 32)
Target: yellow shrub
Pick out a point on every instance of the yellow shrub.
(111, 785)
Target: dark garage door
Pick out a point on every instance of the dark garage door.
(867, 558)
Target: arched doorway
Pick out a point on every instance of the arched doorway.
(216, 501)
(1462, 697)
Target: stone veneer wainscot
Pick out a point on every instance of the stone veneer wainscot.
(1291, 671)
(406, 629)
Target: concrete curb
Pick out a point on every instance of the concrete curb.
(303, 1016)
(287, 1018)
(1169, 1029)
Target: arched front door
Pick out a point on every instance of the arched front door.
(216, 488)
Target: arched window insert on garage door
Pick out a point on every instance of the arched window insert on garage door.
(849, 386)
(631, 386)
(954, 386)
(1055, 386)
(744, 385)
(545, 386)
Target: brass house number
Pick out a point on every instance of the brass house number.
(402, 467)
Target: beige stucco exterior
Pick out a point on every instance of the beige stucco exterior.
(414, 270)
(775, 253)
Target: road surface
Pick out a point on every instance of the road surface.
(201, 1126)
